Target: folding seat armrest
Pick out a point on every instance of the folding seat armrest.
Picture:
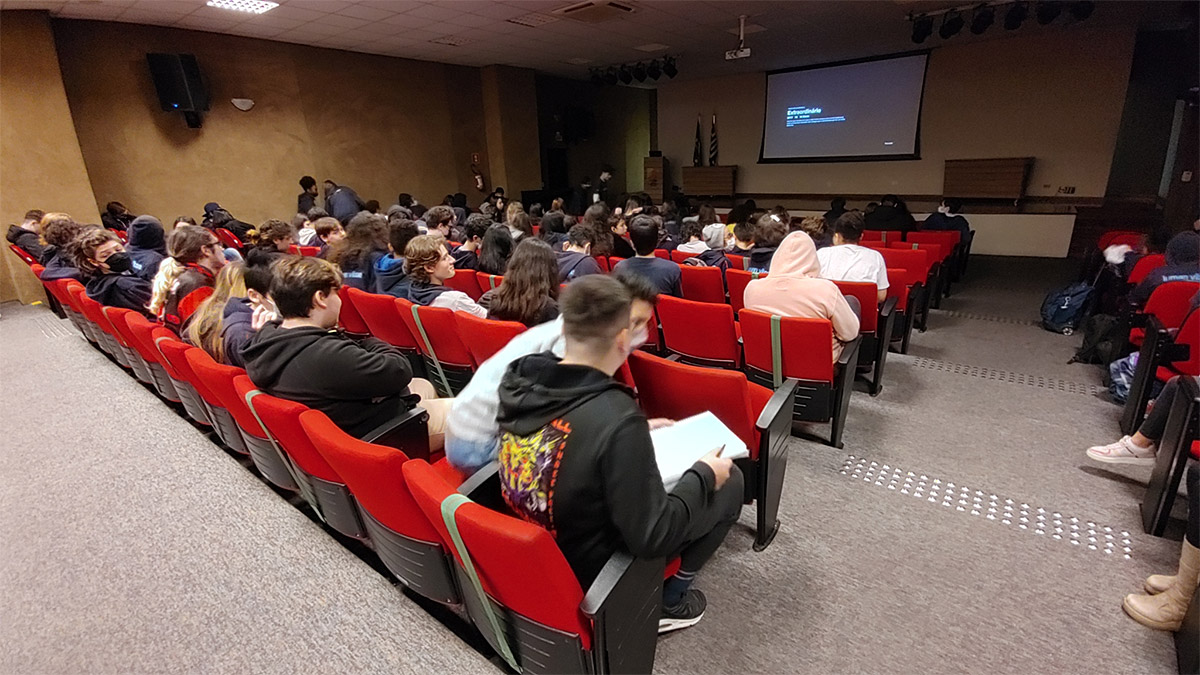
(850, 353)
(1173, 352)
(888, 308)
(408, 432)
(779, 407)
(624, 604)
(483, 488)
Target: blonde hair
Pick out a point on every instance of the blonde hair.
(185, 244)
(514, 207)
(204, 329)
(422, 251)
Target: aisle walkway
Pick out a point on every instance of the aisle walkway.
(142, 547)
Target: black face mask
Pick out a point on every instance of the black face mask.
(119, 262)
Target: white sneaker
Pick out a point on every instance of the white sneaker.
(1122, 452)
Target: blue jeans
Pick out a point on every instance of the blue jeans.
(471, 455)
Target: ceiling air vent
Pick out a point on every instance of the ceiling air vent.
(533, 20)
(595, 11)
(452, 41)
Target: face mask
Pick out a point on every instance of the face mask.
(119, 262)
(943, 209)
(639, 338)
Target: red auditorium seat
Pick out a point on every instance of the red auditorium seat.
(221, 419)
(1130, 239)
(702, 333)
(106, 335)
(1107, 239)
(117, 316)
(905, 287)
(485, 337)
(603, 263)
(885, 236)
(1164, 354)
(918, 263)
(1177, 442)
(737, 280)
(349, 318)
(613, 261)
(702, 284)
(554, 626)
(121, 234)
(318, 483)
(23, 254)
(781, 348)
(681, 256)
(1169, 303)
(660, 253)
(228, 239)
(875, 327)
(304, 250)
(169, 347)
(1144, 266)
(219, 378)
(736, 262)
(467, 282)
(142, 332)
(402, 537)
(762, 419)
(382, 318)
(61, 288)
(488, 282)
(447, 359)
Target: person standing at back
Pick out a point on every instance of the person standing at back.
(342, 202)
(308, 198)
(847, 261)
(576, 457)
(664, 275)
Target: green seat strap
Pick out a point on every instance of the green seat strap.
(437, 365)
(754, 275)
(492, 281)
(449, 507)
(914, 247)
(883, 236)
(776, 351)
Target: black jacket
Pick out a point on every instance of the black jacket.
(343, 204)
(622, 248)
(26, 240)
(179, 308)
(305, 201)
(119, 290)
(147, 246)
(941, 222)
(360, 273)
(59, 265)
(390, 276)
(576, 459)
(236, 330)
(359, 385)
(573, 264)
(1183, 264)
(464, 259)
(760, 258)
(116, 222)
(886, 217)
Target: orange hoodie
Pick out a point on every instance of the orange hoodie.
(794, 288)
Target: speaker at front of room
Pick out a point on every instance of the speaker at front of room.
(179, 86)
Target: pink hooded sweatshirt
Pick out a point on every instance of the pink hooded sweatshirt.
(794, 289)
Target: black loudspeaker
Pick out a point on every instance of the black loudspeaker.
(580, 124)
(179, 86)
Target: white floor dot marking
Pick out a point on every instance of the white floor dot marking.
(1061, 527)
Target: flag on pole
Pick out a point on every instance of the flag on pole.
(712, 143)
(697, 153)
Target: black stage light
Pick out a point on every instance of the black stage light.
(626, 75)
(639, 72)
(984, 18)
(1081, 10)
(1048, 11)
(669, 68)
(654, 70)
(922, 28)
(952, 22)
(1015, 16)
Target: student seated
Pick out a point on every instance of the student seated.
(553, 230)
(216, 217)
(102, 260)
(466, 257)
(439, 220)
(429, 266)
(238, 307)
(391, 277)
(186, 277)
(147, 246)
(837, 206)
(276, 237)
(204, 328)
(58, 231)
(576, 456)
(305, 234)
(328, 232)
(693, 239)
(795, 289)
(817, 228)
(302, 357)
(741, 240)
(494, 252)
(847, 261)
(769, 231)
(27, 235)
(116, 216)
(575, 260)
(664, 275)
(947, 219)
(890, 214)
(356, 254)
(1183, 264)
(519, 225)
(529, 293)
(618, 227)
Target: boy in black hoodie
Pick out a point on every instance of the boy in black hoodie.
(110, 279)
(577, 459)
(25, 235)
(304, 358)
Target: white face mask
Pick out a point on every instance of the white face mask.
(944, 209)
(639, 338)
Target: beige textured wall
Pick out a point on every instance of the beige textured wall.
(380, 125)
(1056, 96)
(510, 109)
(40, 162)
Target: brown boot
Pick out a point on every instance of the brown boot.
(1165, 611)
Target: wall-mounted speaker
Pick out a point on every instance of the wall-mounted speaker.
(179, 85)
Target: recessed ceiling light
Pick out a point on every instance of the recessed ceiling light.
(533, 20)
(249, 6)
(652, 47)
(750, 28)
(452, 41)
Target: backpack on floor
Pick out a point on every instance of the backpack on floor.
(1104, 340)
(1064, 309)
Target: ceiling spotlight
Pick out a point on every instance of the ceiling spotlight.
(669, 68)
(922, 28)
(952, 22)
(626, 75)
(1081, 10)
(1015, 16)
(639, 72)
(654, 70)
(984, 18)
(1048, 11)
(610, 76)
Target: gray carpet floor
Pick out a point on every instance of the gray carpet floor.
(143, 548)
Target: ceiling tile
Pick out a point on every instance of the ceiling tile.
(437, 12)
(292, 11)
(496, 10)
(340, 21)
(368, 13)
(408, 21)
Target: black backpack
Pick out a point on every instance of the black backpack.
(1104, 340)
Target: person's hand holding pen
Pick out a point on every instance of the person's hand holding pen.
(720, 466)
